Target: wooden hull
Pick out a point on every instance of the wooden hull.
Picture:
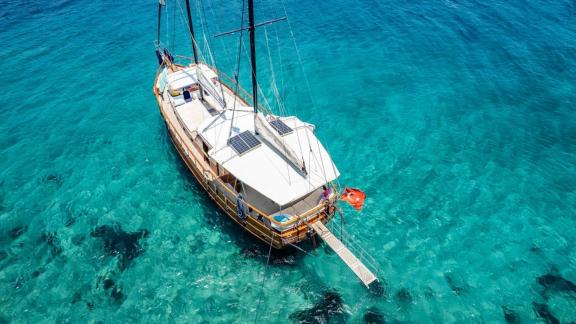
(190, 154)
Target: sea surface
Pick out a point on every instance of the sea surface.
(457, 118)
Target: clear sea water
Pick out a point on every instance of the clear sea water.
(457, 118)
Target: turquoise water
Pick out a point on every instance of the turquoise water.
(456, 118)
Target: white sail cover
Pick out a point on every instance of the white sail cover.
(263, 168)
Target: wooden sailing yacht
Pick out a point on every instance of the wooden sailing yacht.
(270, 174)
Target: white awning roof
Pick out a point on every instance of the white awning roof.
(264, 168)
(187, 77)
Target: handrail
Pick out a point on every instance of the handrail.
(217, 179)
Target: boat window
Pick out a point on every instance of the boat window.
(205, 148)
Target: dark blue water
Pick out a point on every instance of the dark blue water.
(456, 118)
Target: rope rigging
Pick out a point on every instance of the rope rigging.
(240, 42)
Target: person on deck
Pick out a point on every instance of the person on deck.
(240, 208)
(326, 192)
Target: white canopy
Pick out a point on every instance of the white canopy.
(187, 77)
(264, 168)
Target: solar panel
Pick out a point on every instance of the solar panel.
(243, 142)
(249, 139)
(280, 127)
(238, 144)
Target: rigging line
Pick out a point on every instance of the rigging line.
(203, 12)
(182, 18)
(174, 27)
(167, 27)
(224, 47)
(202, 25)
(219, 74)
(282, 86)
(280, 60)
(264, 277)
(299, 57)
(205, 28)
(272, 74)
(237, 67)
(265, 109)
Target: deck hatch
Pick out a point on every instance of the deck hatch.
(243, 142)
(280, 127)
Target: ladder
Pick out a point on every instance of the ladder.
(365, 275)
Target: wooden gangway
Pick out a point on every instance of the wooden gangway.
(344, 253)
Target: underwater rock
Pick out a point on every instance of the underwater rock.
(456, 283)
(286, 260)
(76, 297)
(17, 231)
(120, 243)
(510, 316)
(108, 283)
(117, 295)
(373, 316)
(250, 252)
(544, 313)
(378, 288)
(115, 291)
(51, 239)
(429, 293)
(54, 179)
(555, 283)
(70, 221)
(329, 306)
(36, 273)
(276, 257)
(403, 296)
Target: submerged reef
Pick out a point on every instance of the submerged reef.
(17, 231)
(545, 314)
(554, 283)
(117, 242)
(510, 316)
(329, 308)
(279, 258)
(373, 316)
(456, 283)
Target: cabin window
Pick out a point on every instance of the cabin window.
(205, 148)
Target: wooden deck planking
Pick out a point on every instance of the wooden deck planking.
(365, 275)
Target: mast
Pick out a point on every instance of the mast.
(191, 29)
(252, 31)
(160, 3)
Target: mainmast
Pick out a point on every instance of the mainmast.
(252, 30)
(191, 29)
